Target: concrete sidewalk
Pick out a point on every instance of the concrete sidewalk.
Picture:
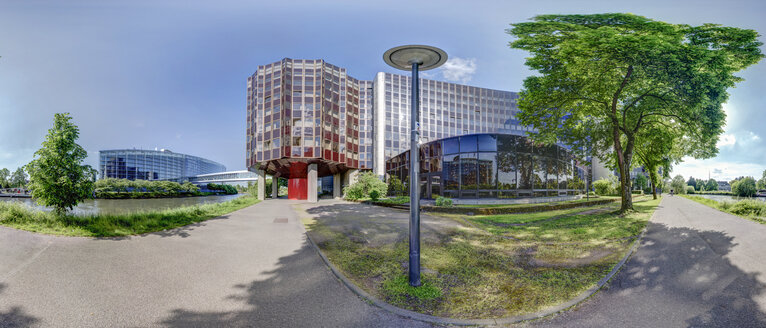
(239, 270)
(696, 267)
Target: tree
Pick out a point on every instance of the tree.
(4, 178)
(762, 182)
(641, 181)
(605, 78)
(744, 187)
(711, 185)
(656, 151)
(365, 183)
(678, 184)
(19, 178)
(57, 177)
(692, 182)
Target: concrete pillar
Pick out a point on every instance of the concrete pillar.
(336, 186)
(261, 185)
(312, 183)
(274, 187)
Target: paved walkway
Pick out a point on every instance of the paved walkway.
(696, 267)
(239, 270)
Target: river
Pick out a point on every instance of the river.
(721, 198)
(122, 206)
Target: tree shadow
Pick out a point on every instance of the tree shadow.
(15, 316)
(300, 292)
(678, 277)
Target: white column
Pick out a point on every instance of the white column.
(336, 187)
(274, 187)
(312, 183)
(261, 185)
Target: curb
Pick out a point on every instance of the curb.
(477, 322)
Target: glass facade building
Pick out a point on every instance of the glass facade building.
(492, 166)
(133, 164)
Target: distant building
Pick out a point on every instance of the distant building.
(241, 178)
(139, 164)
(724, 185)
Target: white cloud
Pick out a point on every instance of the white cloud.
(754, 136)
(717, 168)
(726, 140)
(459, 69)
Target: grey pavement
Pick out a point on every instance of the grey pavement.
(696, 267)
(238, 270)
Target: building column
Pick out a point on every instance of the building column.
(336, 188)
(312, 183)
(261, 184)
(274, 187)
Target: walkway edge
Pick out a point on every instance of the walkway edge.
(478, 322)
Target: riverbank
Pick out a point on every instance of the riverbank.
(750, 209)
(22, 217)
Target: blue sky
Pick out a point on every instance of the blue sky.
(172, 74)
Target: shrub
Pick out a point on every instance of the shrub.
(604, 187)
(395, 186)
(744, 187)
(690, 190)
(443, 201)
(365, 183)
(637, 192)
(749, 207)
(374, 195)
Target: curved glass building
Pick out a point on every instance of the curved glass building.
(162, 164)
(492, 165)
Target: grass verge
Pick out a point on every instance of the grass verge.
(18, 216)
(576, 201)
(470, 271)
(750, 209)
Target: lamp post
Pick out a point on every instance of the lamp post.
(415, 58)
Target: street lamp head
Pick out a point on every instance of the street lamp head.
(403, 57)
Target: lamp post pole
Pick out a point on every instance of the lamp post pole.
(415, 58)
(414, 267)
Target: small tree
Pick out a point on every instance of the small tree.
(19, 178)
(5, 178)
(762, 182)
(711, 185)
(365, 183)
(641, 181)
(678, 185)
(744, 187)
(395, 186)
(57, 177)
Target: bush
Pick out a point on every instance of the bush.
(395, 187)
(365, 183)
(443, 201)
(374, 195)
(690, 189)
(749, 207)
(604, 187)
(637, 192)
(744, 187)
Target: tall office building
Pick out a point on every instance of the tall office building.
(309, 119)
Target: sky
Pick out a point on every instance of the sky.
(172, 74)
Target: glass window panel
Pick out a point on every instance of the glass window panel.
(468, 171)
(487, 142)
(487, 168)
(539, 172)
(506, 167)
(467, 144)
(451, 172)
(551, 168)
(451, 146)
(525, 171)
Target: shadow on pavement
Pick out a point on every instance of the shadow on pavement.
(15, 317)
(680, 277)
(301, 292)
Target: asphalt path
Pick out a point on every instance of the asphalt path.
(239, 270)
(696, 267)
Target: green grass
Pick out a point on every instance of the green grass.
(18, 216)
(474, 273)
(750, 209)
(583, 200)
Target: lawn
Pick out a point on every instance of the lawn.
(576, 201)
(478, 267)
(18, 216)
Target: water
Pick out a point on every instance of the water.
(721, 198)
(122, 206)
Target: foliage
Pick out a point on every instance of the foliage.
(744, 187)
(443, 201)
(22, 217)
(762, 181)
(641, 181)
(605, 78)
(374, 195)
(711, 185)
(747, 208)
(226, 189)
(678, 185)
(605, 186)
(395, 186)
(57, 176)
(5, 181)
(124, 188)
(690, 189)
(365, 183)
